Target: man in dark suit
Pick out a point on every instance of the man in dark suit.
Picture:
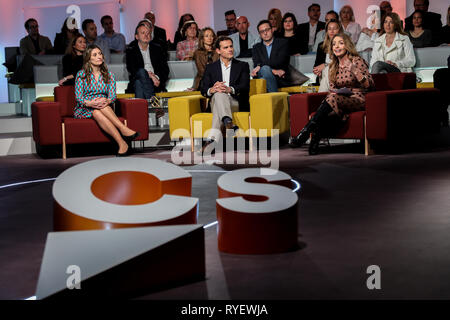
(307, 31)
(227, 83)
(230, 20)
(271, 58)
(146, 64)
(430, 20)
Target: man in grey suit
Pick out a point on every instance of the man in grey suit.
(243, 41)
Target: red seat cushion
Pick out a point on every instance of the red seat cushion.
(84, 131)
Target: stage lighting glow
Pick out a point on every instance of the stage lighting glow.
(25, 182)
(297, 185)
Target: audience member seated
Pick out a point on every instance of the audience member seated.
(349, 24)
(320, 36)
(349, 81)
(441, 80)
(393, 51)
(34, 43)
(230, 20)
(95, 93)
(186, 48)
(243, 40)
(288, 31)
(72, 62)
(227, 83)
(271, 58)
(146, 64)
(333, 27)
(275, 17)
(307, 31)
(430, 20)
(204, 55)
(90, 33)
(445, 32)
(158, 34)
(179, 36)
(116, 41)
(419, 36)
(64, 38)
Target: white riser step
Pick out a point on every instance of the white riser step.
(10, 124)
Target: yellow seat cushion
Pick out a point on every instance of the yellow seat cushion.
(180, 111)
(177, 94)
(241, 120)
(46, 99)
(125, 95)
(425, 85)
(200, 124)
(257, 86)
(298, 89)
(269, 111)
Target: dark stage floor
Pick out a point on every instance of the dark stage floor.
(355, 211)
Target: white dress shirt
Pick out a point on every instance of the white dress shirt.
(226, 72)
(147, 61)
(312, 34)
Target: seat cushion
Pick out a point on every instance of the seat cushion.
(84, 131)
(201, 123)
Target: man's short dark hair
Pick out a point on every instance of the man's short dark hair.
(220, 39)
(229, 12)
(104, 18)
(313, 5)
(28, 22)
(262, 22)
(333, 12)
(426, 2)
(85, 23)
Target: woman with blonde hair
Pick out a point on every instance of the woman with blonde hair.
(348, 22)
(349, 81)
(95, 92)
(332, 28)
(205, 54)
(275, 17)
(392, 51)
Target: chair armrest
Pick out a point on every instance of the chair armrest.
(46, 122)
(180, 111)
(301, 107)
(269, 111)
(402, 113)
(135, 111)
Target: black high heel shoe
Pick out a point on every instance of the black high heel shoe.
(124, 154)
(132, 137)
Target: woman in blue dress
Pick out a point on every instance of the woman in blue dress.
(95, 92)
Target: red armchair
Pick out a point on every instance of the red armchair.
(54, 124)
(395, 110)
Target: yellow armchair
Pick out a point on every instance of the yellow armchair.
(267, 111)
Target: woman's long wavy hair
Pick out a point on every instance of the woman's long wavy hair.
(87, 67)
(201, 40)
(351, 52)
(277, 14)
(327, 40)
(397, 23)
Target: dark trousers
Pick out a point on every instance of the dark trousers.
(441, 79)
(383, 67)
(143, 85)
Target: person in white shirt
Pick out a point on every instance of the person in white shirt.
(320, 36)
(349, 24)
(392, 51)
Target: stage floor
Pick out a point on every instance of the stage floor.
(355, 211)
